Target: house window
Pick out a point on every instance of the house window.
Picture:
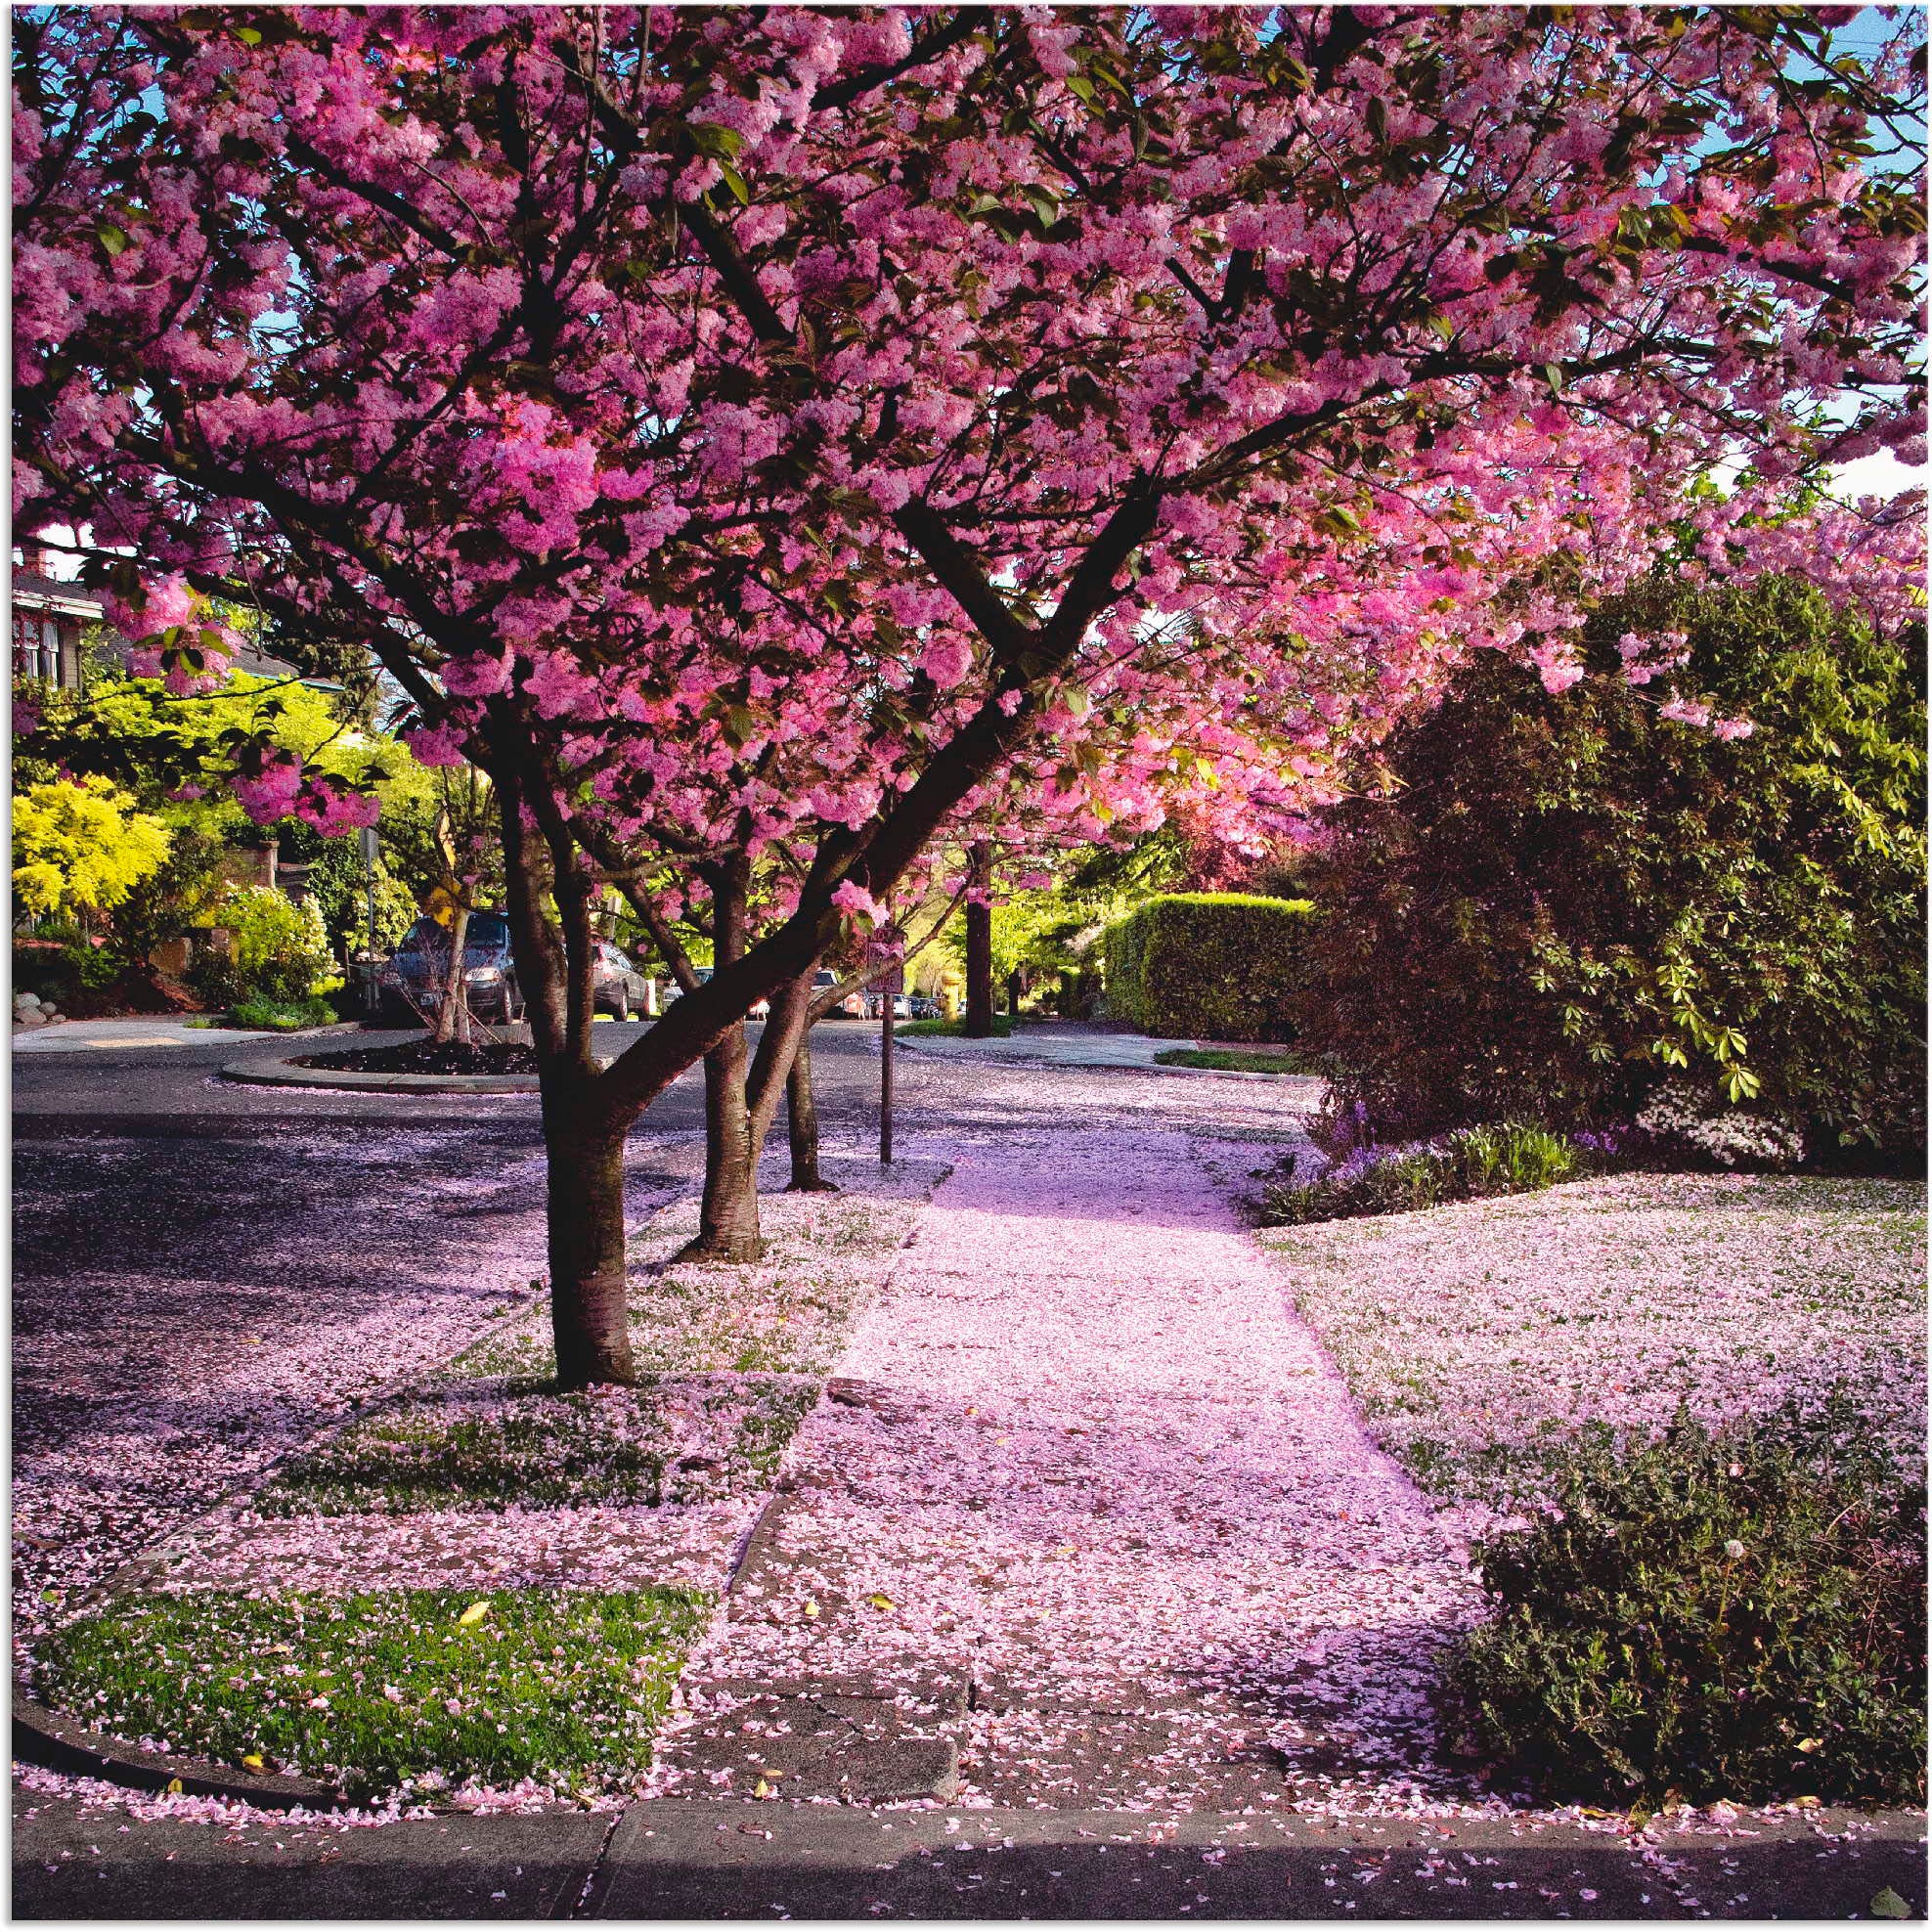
(37, 646)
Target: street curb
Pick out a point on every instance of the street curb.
(285, 1074)
(44, 1737)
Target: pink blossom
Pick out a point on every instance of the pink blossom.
(853, 898)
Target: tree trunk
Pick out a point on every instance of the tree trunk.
(801, 1119)
(589, 1313)
(727, 1216)
(453, 1015)
(979, 956)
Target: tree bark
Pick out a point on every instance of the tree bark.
(979, 955)
(590, 1317)
(801, 1122)
(727, 1214)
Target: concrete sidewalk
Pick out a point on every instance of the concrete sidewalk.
(714, 1860)
(144, 1032)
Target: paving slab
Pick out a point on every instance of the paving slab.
(690, 1859)
(75, 1861)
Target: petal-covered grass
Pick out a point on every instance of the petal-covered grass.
(316, 1625)
(688, 1439)
(731, 1360)
(430, 1690)
(1479, 1338)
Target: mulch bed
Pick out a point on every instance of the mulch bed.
(422, 1056)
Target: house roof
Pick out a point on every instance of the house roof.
(33, 592)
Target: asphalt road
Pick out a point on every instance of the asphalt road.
(178, 1088)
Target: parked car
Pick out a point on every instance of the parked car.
(760, 1011)
(619, 987)
(410, 982)
(925, 1007)
(875, 1006)
(851, 1007)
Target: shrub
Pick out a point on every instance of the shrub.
(280, 951)
(1217, 966)
(80, 846)
(1736, 1614)
(1466, 1165)
(1551, 905)
(1686, 1133)
(282, 1016)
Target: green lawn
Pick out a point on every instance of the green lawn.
(421, 1689)
(1003, 1029)
(1229, 1059)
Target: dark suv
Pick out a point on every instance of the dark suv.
(412, 981)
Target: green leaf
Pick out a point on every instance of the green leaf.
(1080, 87)
(111, 238)
(735, 182)
(721, 143)
(1553, 375)
(1888, 1905)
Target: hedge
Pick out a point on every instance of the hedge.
(1217, 966)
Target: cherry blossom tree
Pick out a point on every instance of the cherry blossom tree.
(756, 426)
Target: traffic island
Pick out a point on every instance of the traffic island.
(305, 1071)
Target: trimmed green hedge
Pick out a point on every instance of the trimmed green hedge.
(1215, 966)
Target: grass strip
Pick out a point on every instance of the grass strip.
(1003, 1029)
(417, 1689)
(1226, 1060)
(685, 1441)
(731, 1360)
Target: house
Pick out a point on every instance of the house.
(50, 619)
(53, 616)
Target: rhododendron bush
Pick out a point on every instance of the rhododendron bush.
(768, 429)
(1584, 908)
